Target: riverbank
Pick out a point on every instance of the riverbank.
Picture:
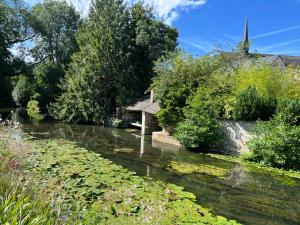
(99, 191)
(242, 159)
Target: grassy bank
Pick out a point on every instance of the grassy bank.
(242, 159)
(19, 203)
(92, 190)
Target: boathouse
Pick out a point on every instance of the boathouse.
(142, 115)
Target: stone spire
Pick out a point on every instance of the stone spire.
(245, 44)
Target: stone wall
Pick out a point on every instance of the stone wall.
(235, 135)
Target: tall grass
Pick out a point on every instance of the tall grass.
(19, 204)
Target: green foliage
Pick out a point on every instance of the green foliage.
(248, 105)
(33, 110)
(18, 203)
(55, 24)
(13, 30)
(23, 209)
(47, 76)
(116, 123)
(147, 40)
(289, 107)
(277, 143)
(251, 106)
(22, 91)
(268, 79)
(117, 47)
(198, 129)
(105, 193)
(5, 91)
(178, 77)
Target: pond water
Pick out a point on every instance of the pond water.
(244, 193)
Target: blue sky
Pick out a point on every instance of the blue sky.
(274, 25)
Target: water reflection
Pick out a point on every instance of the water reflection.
(244, 194)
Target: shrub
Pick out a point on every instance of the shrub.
(178, 76)
(199, 129)
(251, 106)
(289, 106)
(118, 123)
(248, 105)
(33, 110)
(268, 107)
(277, 143)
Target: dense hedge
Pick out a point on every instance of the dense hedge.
(277, 143)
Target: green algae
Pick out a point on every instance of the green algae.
(105, 193)
(259, 167)
(188, 168)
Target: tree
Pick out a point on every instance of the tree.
(14, 29)
(22, 91)
(178, 77)
(55, 24)
(149, 39)
(115, 61)
(90, 86)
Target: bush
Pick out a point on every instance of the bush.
(289, 106)
(33, 110)
(248, 105)
(199, 129)
(178, 76)
(251, 106)
(277, 143)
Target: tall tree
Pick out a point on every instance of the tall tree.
(90, 87)
(150, 39)
(14, 29)
(118, 45)
(55, 24)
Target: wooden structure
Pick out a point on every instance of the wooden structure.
(142, 115)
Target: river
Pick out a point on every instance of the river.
(246, 194)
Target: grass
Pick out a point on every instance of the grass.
(19, 204)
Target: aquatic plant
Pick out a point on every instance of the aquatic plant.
(103, 192)
(187, 168)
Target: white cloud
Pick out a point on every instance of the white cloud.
(167, 10)
(81, 6)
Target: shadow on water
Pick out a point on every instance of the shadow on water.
(238, 192)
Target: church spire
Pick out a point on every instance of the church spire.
(245, 44)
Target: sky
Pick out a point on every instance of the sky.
(204, 25)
